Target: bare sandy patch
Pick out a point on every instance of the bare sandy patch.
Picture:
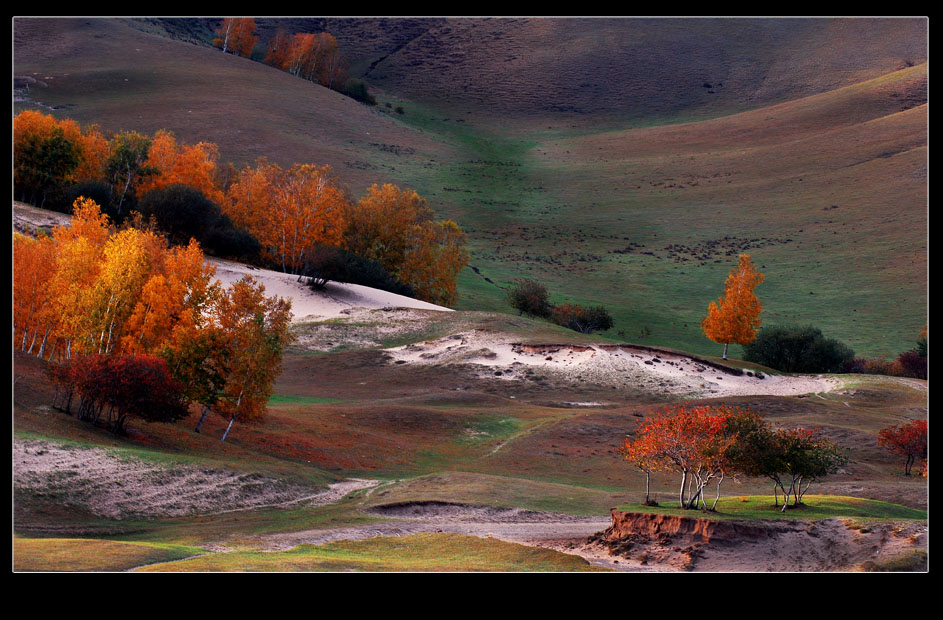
(622, 367)
(308, 304)
(125, 488)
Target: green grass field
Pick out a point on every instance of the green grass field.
(813, 507)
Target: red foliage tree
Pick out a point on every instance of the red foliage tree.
(120, 386)
(907, 440)
(696, 442)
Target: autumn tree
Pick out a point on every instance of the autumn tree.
(735, 316)
(175, 163)
(76, 267)
(197, 360)
(702, 443)
(254, 332)
(33, 297)
(642, 451)
(288, 211)
(908, 440)
(177, 297)
(395, 228)
(43, 157)
(312, 56)
(114, 388)
(687, 440)
(236, 35)
(129, 258)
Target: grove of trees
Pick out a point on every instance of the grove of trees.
(714, 442)
(120, 312)
(263, 213)
(315, 57)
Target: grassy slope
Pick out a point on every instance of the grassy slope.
(827, 193)
(111, 73)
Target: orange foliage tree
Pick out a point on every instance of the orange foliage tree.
(395, 228)
(314, 57)
(43, 155)
(254, 332)
(176, 163)
(288, 211)
(236, 35)
(735, 316)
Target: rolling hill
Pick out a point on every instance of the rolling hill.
(621, 162)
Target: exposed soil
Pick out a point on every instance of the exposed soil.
(620, 367)
(685, 543)
(111, 487)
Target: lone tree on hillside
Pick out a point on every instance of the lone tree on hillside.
(907, 440)
(735, 317)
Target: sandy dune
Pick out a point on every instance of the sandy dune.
(307, 304)
(605, 365)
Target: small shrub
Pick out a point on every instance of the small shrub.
(357, 90)
(797, 349)
(530, 297)
(582, 319)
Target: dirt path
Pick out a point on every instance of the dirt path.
(560, 532)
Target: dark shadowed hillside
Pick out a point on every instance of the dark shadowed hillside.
(116, 74)
(638, 69)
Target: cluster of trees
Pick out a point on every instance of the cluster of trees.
(531, 297)
(263, 213)
(90, 292)
(714, 442)
(909, 440)
(315, 57)
(806, 350)
(124, 384)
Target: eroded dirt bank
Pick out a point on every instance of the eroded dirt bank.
(696, 544)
